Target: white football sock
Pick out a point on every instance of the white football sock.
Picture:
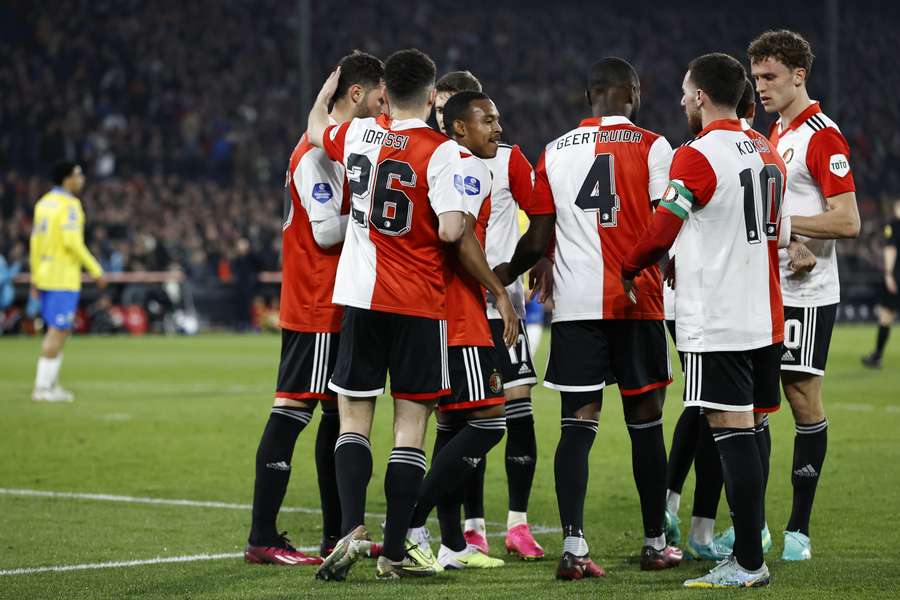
(514, 519)
(673, 502)
(475, 525)
(575, 545)
(47, 372)
(702, 530)
(658, 543)
(418, 534)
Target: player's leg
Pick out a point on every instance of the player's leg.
(807, 337)
(886, 316)
(359, 375)
(58, 311)
(640, 362)
(326, 437)
(579, 368)
(702, 545)
(722, 383)
(681, 457)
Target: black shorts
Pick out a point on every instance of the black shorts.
(307, 361)
(807, 336)
(475, 379)
(586, 356)
(413, 349)
(738, 381)
(515, 363)
(888, 300)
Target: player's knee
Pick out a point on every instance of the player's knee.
(518, 393)
(733, 419)
(582, 405)
(643, 407)
(886, 317)
(489, 412)
(293, 403)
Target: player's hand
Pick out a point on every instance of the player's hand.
(503, 274)
(631, 289)
(669, 273)
(33, 292)
(102, 282)
(540, 280)
(890, 283)
(801, 259)
(510, 319)
(329, 87)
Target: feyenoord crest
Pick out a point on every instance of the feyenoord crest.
(788, 155)
(496, 382)
(670, 195)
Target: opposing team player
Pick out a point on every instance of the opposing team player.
(889, 303)
(407, 201)
(512, 185)
(315, 219)
(57, 255)
(602, 178)
(821, 204)
(723, 204)
(471, 420)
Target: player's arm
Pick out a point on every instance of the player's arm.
(828, 161)
(73, 241)
(890, 262)
(320, 186)
(472, 258)
(317, 122)
(445, 191)
(34, 256)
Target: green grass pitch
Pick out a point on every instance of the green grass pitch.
(179, 419)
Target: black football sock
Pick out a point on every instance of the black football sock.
(884, 332)
(684, 445)
(708, 472)
(810, 445)
(456, 461)
(444, 434)
(273, 469)
(448, 516)
(648, 464)
(326, 436)
(521, 453)
(742, 471)
(570, 468)
(353, 467)
(473, 492)
(764, 442)
(402, 480)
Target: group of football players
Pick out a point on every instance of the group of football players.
(402, 254)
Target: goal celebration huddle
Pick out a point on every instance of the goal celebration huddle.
(402, 255)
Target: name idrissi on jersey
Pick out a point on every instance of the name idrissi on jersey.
(385, 138)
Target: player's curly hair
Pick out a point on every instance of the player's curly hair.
(408, 77)
(358, 68)
(458, 81)
(787, 47)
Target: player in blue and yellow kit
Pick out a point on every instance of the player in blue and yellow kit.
(57, 255)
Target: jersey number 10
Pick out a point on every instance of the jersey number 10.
(771, 184)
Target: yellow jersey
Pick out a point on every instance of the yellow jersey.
(57, 243)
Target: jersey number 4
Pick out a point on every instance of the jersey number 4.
(598, 192)
(390, 210)
(771, 184)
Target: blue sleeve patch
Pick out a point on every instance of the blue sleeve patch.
(458, 184)
(472, 186)
(73, 214)
(321, 193)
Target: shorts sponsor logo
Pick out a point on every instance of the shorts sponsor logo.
(788, 355)
(839, 165)
(524, 369)
(322, 193)
(788, 155)
(496, 382)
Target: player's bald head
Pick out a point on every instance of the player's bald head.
(610, 73)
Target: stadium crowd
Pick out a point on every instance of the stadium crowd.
(185, 150)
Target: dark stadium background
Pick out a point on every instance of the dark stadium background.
(184, 115)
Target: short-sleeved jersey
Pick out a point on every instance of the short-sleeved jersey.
(401, 175)
(314, 191)
(602, 178)
(57, 251)
(818, 164)
(466, 320)
(728, 185)
(513, 182)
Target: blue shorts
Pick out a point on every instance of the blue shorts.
(534, 313)
(58, 307)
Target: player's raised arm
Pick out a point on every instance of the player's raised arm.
(318, 115)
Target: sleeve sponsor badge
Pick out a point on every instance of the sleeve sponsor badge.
(458, 184)
(321, 193)
(472, 186)
(839, 165)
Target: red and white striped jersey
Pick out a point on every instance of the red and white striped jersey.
(818, 165)
(466, 321)
(602, 178)
(314, 191)
(728, 185)
(401, 175)
(513, 182)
